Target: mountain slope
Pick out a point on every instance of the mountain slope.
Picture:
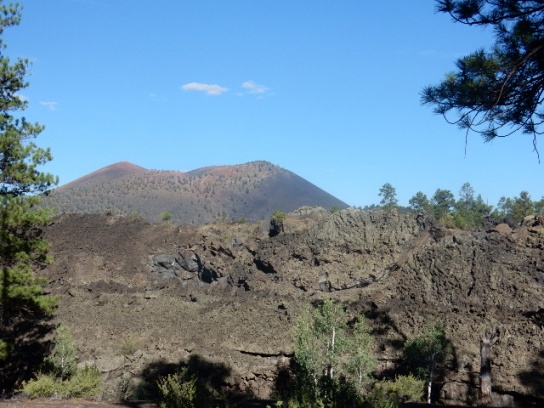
(252, 191)
(105, 174)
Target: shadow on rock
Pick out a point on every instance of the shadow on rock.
(27, 352)
(213, 379)
(533, 379)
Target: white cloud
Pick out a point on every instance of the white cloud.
(51, 105)
(255, 88)
(208, 88)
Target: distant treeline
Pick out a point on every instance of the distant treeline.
(469, 210)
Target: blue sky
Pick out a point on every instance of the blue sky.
(327, 89)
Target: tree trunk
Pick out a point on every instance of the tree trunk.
(429, 389)
(430, 384)
(487, 341)
(331, 369)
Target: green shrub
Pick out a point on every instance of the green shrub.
(448, 221)
(128, 346)
(135, 215)
(391, 394)
(44, 385)
(178, 390)
(85, 383)
(166, 216)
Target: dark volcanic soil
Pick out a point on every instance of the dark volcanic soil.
(140, 298)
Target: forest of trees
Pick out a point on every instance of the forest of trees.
(468, 210)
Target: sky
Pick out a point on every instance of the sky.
(329, 90)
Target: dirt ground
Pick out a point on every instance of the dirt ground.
(47, 403)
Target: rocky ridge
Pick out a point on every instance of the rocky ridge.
(139, 297)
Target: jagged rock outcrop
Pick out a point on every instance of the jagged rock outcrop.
(231, 294)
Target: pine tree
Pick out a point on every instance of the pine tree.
(442, 203)
(388, 193)
(419, 202)
(22, 246)
(497, 92)
(471, 209)
(522, 206)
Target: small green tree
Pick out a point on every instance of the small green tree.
(539, 206)
(331, 359)
(62, 360)
(470, 210)
(466, 194)
(361, 360)
(419, 202)
(522, 206)
(442, 203)
(519, 207)
(319, 339)
(388, 193)
(503, 207)
(427, 352)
